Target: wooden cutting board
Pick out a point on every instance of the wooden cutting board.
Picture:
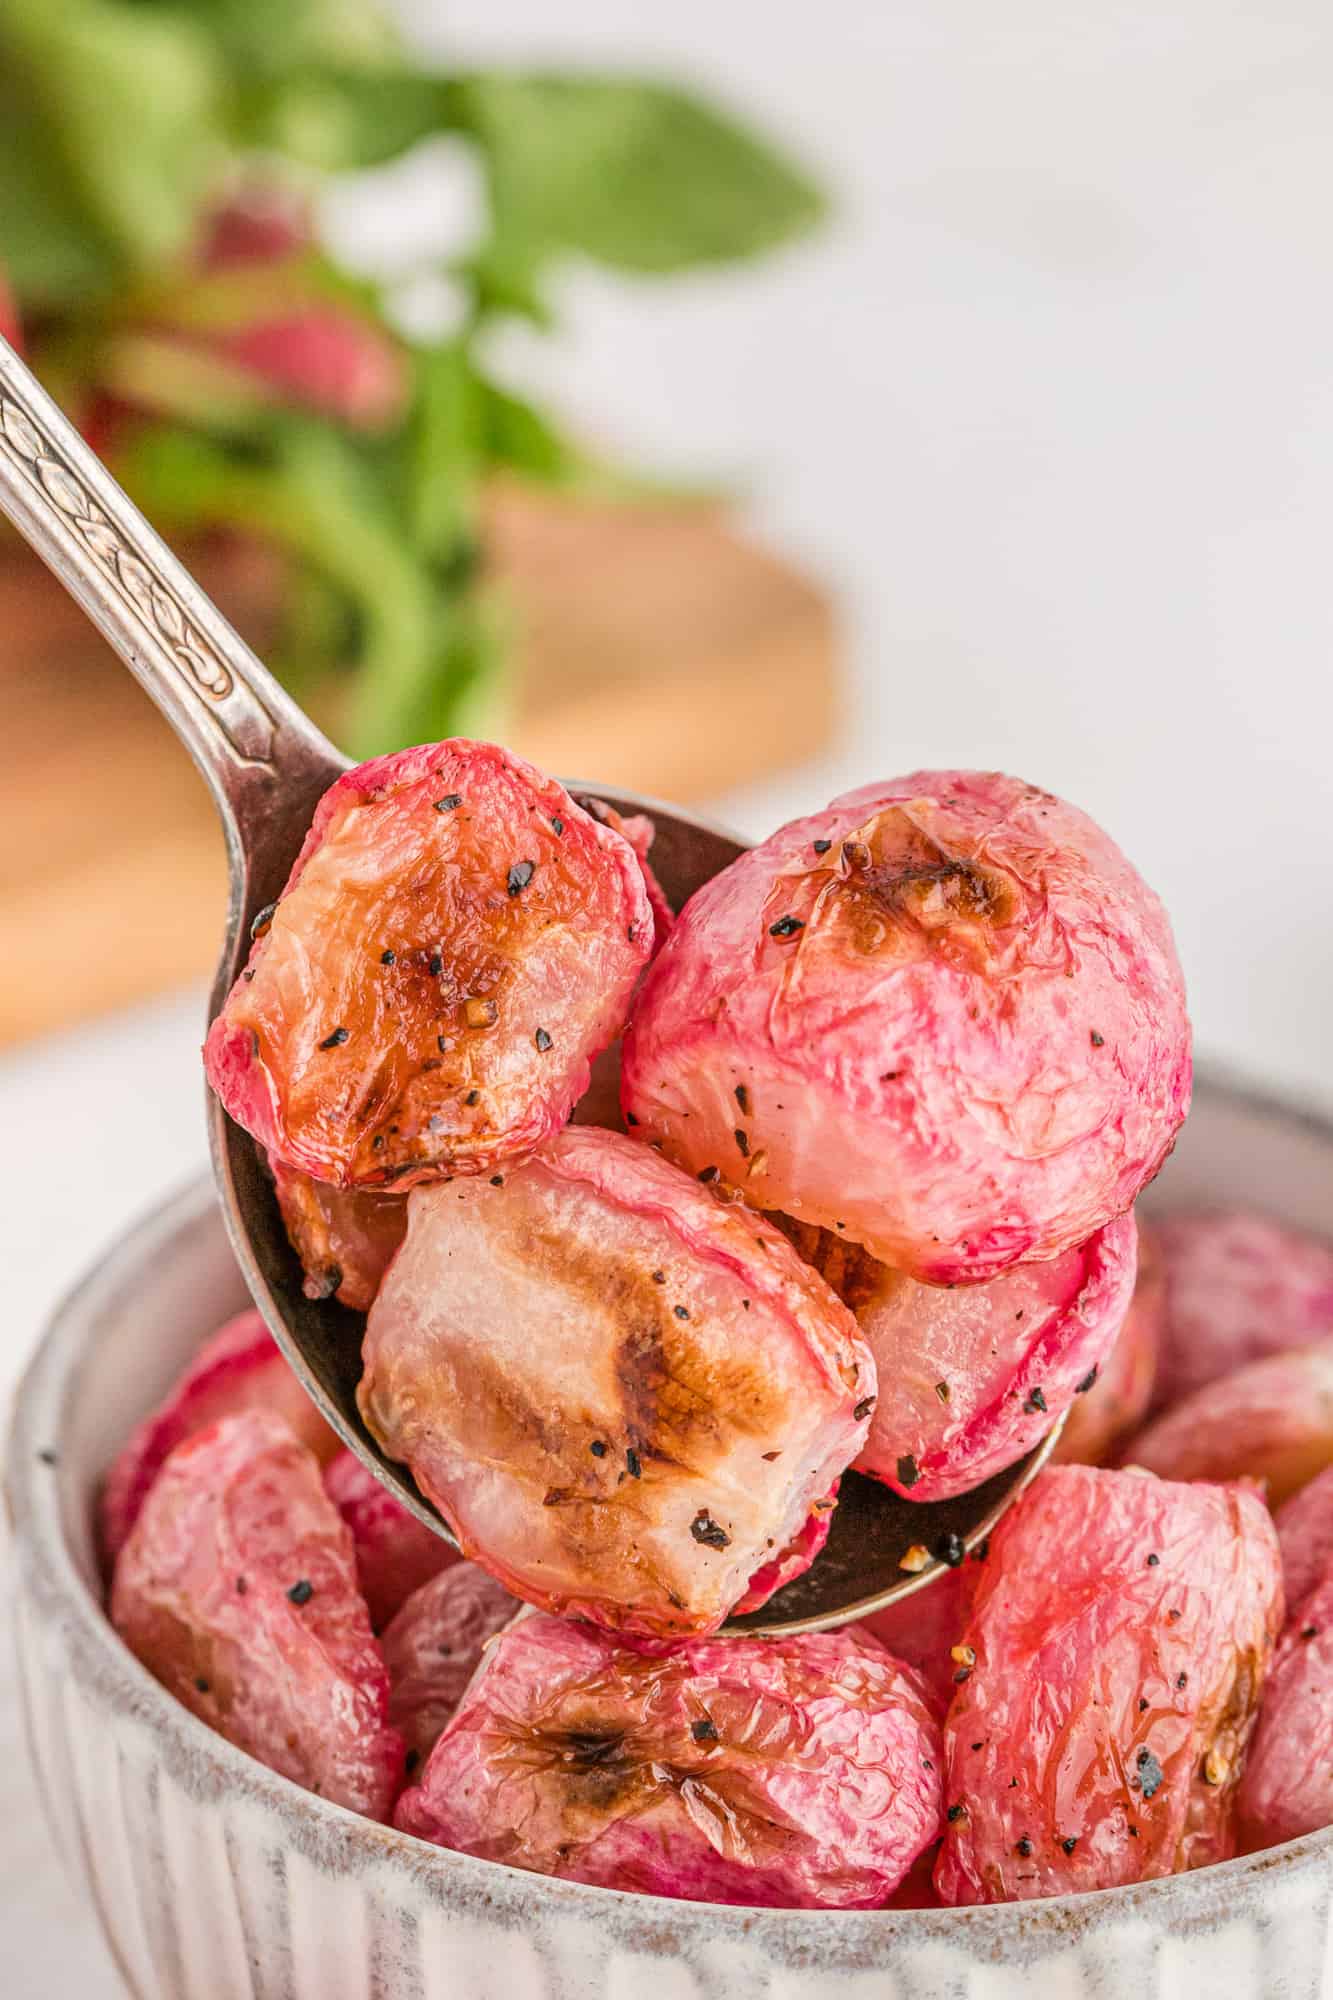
(657, 649)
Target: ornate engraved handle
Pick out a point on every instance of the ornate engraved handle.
(238, 723)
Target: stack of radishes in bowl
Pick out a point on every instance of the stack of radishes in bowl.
(891, 1084)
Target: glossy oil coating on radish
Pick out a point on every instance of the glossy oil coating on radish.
(433, 1648)
(1272, 1421)
(943, 1017)
(1113, 1405)
(240, 1367)
(624, 1395)
(797, 1773)
(1238, 1287)
(344, 1237)
(455, 943)
(973, 1376)
(1121, 1628)
(1287, 1788)
(395, 1553)
(1305, 1532)
(237, 1590)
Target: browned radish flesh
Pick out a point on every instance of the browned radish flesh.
(344, 1237)
(1120, 1632)
(796, 1773)
(237, 1589)
(973, 1376)
(395, 1552)
(625, 1395)
(1271, 1421)
(944, 1017)
(456, 942)
(237, 1368)
(1116, 1401)
(1239, 1286)
(433, 1647)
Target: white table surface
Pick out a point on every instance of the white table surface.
(1050, 406)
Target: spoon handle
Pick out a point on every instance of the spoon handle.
(243, 731)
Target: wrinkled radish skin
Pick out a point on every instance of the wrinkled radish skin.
(1120, 1633)
(395, 1553)
(1239, 1287)
(1305, 1531)
(624, 1395)
(1271, 1422)
(237, 1589)
(973, 1376)
(943, 1017)
(1287, 1789)
(238, 1368)
(456, 942)
(434, 1646)
(1118, 1400)
(797, 1773)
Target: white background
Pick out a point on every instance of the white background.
(1050, 406)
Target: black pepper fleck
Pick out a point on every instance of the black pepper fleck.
(543, 1040)
(473, 1097)
(335, 1040)
(742, 1143)
(1150, 1772)
(1086, 1383)
(659, 1277)
(908, 1470)
(1153, 1561)
(597, 1448)
(743, 1099)
(1070, 1843)
(497, 1180)
(1309, 1632)
(821, 846)
(681, 1312)
(436, 963)
(863, 1408)
(519, 876)
(630, 1119)
(447, 804)
(47, 1457)
(302, 1592)
(1036, 1401)
(1182, 1680)
(1098, 1041)
(632, 1465)
(557, 826)
(709, 1174)
(963, 1674)
(262, 919)
(706, 1530)
(201, 1683)
(955, 1813)
(241, 1586)
(388, 958)
(786, 927)
(704, 1730)
(1024, 1847)
(949, 1549)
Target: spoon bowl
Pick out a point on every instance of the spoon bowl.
(267, 766)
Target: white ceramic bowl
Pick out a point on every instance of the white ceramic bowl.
(215, 1879)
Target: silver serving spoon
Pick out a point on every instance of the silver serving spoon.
(267, 765)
